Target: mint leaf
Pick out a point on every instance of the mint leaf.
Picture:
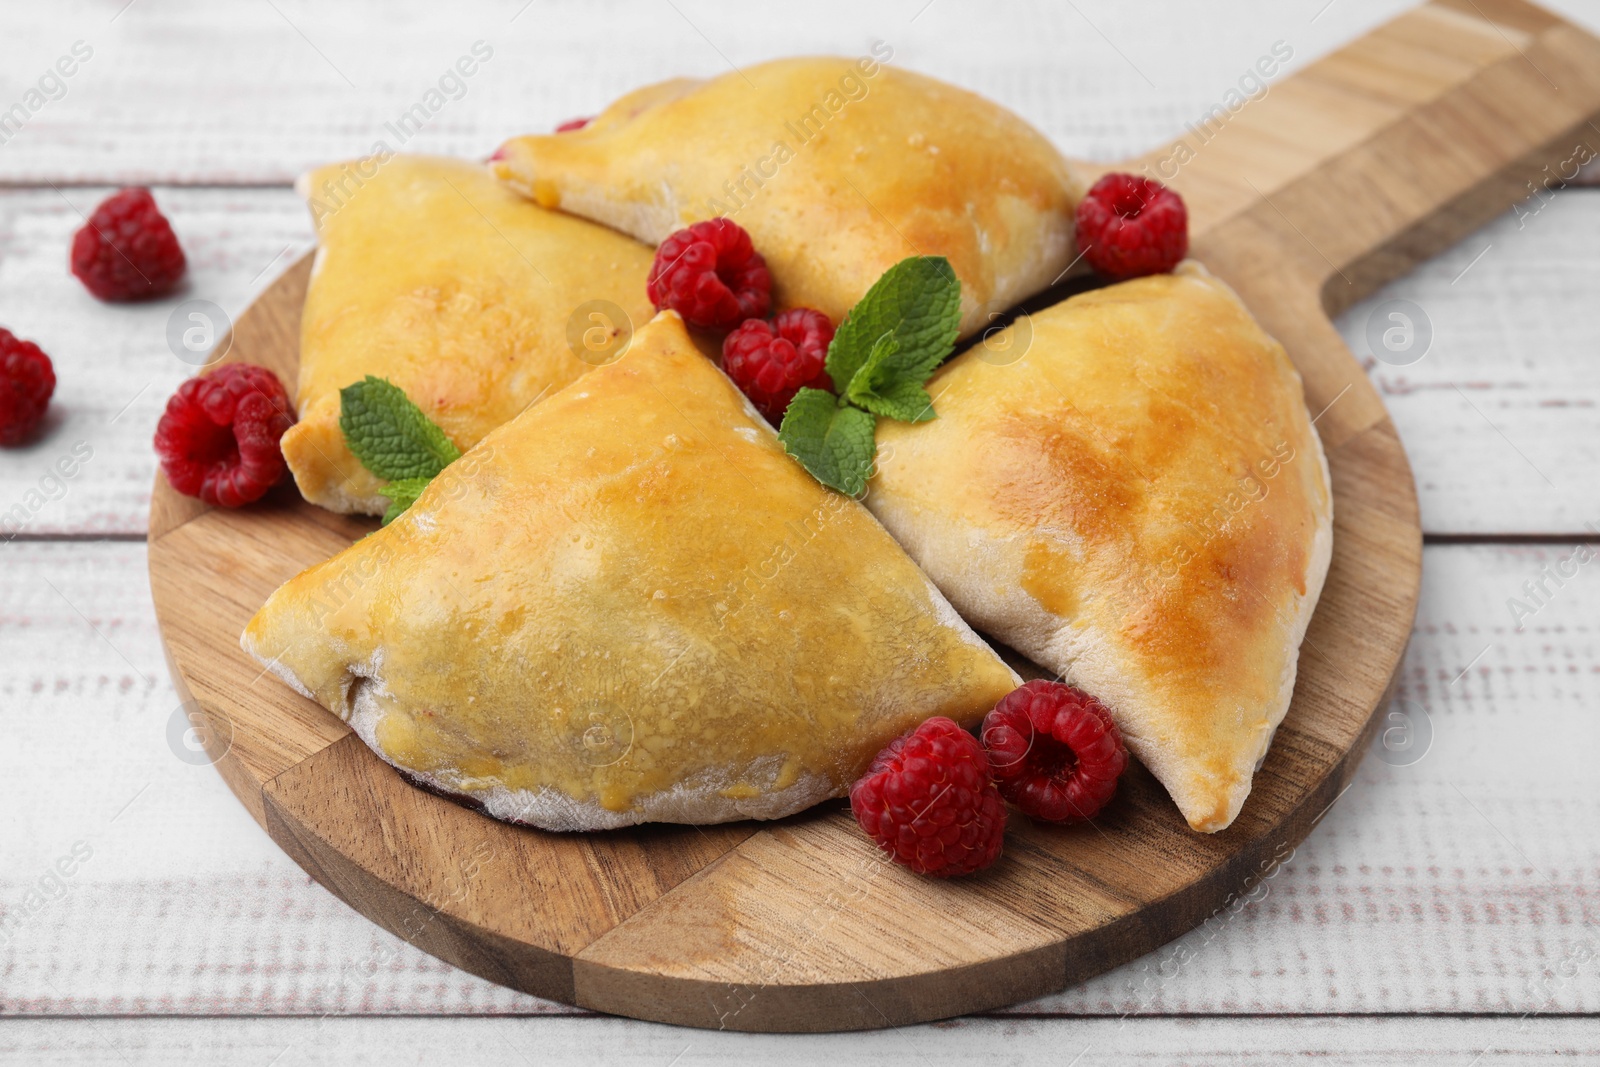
(830, 439)
(881, 388)
(918, 300)
(880, 357)
(402, 494)
(903, 400)
(394, 440)
(389, 434)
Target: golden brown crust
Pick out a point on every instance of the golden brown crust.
(430, 274)
(1139, 502)
(837, 173)
(628, 604)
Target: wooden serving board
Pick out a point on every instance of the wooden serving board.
(1339, 178)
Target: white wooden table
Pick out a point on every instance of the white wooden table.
(1446, 910)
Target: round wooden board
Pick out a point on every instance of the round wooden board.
(800, 924)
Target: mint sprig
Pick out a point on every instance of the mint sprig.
(918, 300)
(885, 389)
(393, 439)
(389, 434)
(831, 439)
(401, 495)
(882, 353)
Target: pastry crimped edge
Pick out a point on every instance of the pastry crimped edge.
(547, 808)
(697, 801)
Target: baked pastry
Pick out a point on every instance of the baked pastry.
(629, 605)
(430, 274)
(838, 169)
(1139, 503)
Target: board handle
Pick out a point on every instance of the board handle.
(1402, 142)
(1344, 175)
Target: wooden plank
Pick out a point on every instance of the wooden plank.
(1514, 330)
(471, 874)
(219, 597)
(1341, 1042)
(185, 904)
(114, 365)
(1406, 898)
(1104, 81)
(1499, 415)
(130, 114)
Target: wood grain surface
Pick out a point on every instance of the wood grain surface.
(1461, 878)
(789, 927)
(801, 926)
(1460, 883)
(796, 926)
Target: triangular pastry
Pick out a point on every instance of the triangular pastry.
(430, 274)
(629, 605)
(838, 168)
(1140, 503)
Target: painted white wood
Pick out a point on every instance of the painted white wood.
(1466, 882)
(1501, 417)
(184, 905)
(1462, 883)
(346, 1042)
(1449, 884)
(197, 92)
(114, 365)
(1509, 389)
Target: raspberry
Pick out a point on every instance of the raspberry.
(127, 250)
(573, 124)
(711, 275)
(929, 802)
(1056, 753)
(219, 437)
(26, 381)
(1128, 226)
(772, 361)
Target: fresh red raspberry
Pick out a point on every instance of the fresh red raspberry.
(1128, 226)
(127, 250)
(573, 124)
(711, 275)
(1055, 752)
(219, 437)
(929, 802)
(26, 381)
(772, 361)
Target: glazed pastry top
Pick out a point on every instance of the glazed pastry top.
(631, 598)
(838, 169)
(1127, 488)
(430, 274)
